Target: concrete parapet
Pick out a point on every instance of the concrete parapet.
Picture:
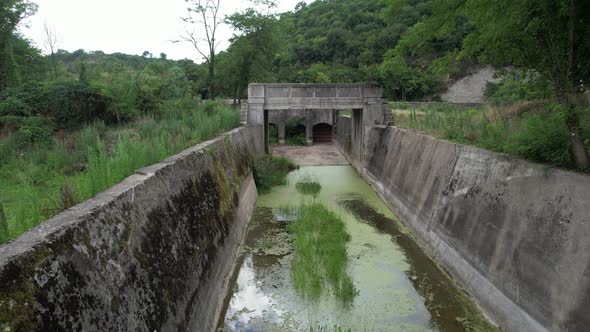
(153, 253)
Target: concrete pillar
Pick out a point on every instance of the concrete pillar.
(309, 126)
(281, 126)
(357, 136)
(372, 115)
(255, 116)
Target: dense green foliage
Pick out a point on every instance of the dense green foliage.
(39, 181)
(73, 124)
(271, 171)
(341, 41)
(319, 239)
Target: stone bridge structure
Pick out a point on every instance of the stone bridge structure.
(317, 104)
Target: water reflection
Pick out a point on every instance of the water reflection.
(249, 301)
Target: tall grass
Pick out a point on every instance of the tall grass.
(319, 239)
(308, 185)
(531, 130)
(39, 182)
(271, 171)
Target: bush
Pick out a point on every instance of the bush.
(73, 103)
(512, 90)
(35, 130)
(15, 107)
(543, 138)
(271, 171)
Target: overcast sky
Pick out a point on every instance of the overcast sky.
(127, 26)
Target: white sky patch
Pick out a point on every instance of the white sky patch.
(127, 26)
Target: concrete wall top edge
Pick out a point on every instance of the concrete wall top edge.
(82, 211)
(315, 85)
(540, 169)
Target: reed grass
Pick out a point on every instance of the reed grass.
(38, 182)
(319, 240)
(308, 185)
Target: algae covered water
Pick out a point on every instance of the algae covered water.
(399, 288)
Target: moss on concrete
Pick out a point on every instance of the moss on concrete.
(18, 291)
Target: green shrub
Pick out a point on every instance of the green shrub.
(15, 107)
(73, 103)
(511, 90)
(271, 171)
(35, 130)
(543, 138)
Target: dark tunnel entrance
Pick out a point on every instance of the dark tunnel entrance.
(322, 133)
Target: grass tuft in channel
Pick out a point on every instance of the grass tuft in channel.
(271, 171)
(319, 239)
(308, 185)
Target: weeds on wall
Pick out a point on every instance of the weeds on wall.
(319, 239)
(528, 129)
(39, 181)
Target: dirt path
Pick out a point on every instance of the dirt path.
(313, 155)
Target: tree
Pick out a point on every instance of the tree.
(254, 44)
(12, 12)
(547, 37)
(205, 13)
(51, 42)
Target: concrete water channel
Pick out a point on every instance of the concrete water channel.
(400, 288)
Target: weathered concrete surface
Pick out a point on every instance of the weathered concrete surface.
(313, 155)
(343, 134)
(365, 99)
(153, 253)
(514, 233)
(471, 88)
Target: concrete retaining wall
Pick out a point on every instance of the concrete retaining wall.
(153, 253)
(513, 233)
(342, 133)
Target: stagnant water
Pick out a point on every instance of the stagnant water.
(400, 287)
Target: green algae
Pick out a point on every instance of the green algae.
(398, 291)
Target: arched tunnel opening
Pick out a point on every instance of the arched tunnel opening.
(295, 131)
(322, 133)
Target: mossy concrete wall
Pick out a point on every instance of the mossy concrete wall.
(153, 253)
(515, 234)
